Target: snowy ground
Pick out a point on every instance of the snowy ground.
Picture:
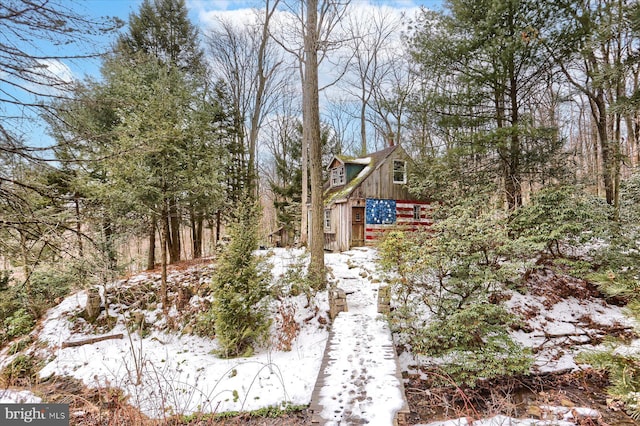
(360, 383)
(169, 372)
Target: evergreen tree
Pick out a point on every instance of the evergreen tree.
(483, 68)
(161, 30)
(240, 289)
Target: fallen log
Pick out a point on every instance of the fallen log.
(91, 340)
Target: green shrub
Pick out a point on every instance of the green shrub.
(20, 345)
(474, 344)
(559, 215)
(448, 276)
(21, 371)
(205, 324)
(19, 323)
(22, 304)
(293, 282)
(5, 279)
(46, 287)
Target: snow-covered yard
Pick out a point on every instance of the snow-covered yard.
(165, 369)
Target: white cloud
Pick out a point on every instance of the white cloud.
(51, 77)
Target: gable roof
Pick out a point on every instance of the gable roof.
(372, 162)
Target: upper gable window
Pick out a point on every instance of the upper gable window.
(338, 176)
(399, 171)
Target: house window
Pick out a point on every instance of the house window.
(399, 171)
(416, 212)
(337, 176)
(327, 219)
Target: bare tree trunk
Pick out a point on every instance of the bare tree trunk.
(599, 113)
(78, 227)
(196, 234)
(304, 218)
(26, 264)
(110, 251)
(164, 234)
(363, 129)
(218, 226)
(151, 256)
(312, 123)
(256, 116)
(173, 237)
(514, 184)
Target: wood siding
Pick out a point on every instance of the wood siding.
(379, 184)
(375, 183)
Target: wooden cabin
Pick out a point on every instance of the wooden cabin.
(367, 196)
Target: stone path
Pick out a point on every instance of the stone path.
(359, 380)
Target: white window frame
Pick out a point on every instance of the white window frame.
(338, 176)
(396, 171)
(417, 211)
(327, 219)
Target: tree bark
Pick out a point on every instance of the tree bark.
(78, 226)
(218, 226)
(151, 256)
(514, 184)
(316, 266)
(173, 237)
(110, 251)
(164, 255)
(304, 216)
(196, 234)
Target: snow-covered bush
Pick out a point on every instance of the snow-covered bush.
(446, 293)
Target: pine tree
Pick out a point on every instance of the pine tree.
(240, 289)
(161, 30)
(483, 68)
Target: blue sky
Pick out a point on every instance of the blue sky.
(201, 12)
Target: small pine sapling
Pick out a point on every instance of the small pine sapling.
(240, 290)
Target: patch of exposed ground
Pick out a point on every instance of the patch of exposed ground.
(555, 333)
(546, 396)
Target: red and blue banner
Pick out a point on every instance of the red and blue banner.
(382, 215)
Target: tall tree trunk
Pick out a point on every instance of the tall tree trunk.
(26, 264)
(258, 102)
(607, 155)
(316, 266)
(151, 255)
(196, 233)
(78, 227)
(363, 128)
(304, 217)
(109, 249)
(514, 184)
(218, 226)
(175, 247)
(164, 235)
